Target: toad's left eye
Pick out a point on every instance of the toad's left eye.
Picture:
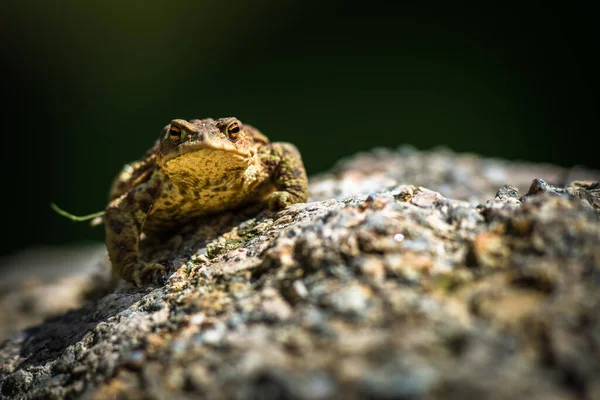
(174, 133)
(233, 130)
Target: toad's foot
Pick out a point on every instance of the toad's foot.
(146, 272)
(282, 199)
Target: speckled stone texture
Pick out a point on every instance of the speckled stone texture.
(409, 275)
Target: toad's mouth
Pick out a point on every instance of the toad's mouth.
(206, 149)
(206, 161)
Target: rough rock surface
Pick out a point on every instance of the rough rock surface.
(409, 275)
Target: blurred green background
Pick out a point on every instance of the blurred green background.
(87, 87)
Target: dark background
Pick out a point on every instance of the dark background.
(87, 87)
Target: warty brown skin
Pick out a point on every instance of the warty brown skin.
(196, 168)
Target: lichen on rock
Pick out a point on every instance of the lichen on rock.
(409, 275)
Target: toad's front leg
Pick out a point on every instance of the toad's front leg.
(124, 220)
(288, 175)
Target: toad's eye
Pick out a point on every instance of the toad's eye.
(174, 133)
(233, 130)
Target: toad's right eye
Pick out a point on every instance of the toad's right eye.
(174, 133)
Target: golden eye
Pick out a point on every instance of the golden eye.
(174, 133)
(233, 130)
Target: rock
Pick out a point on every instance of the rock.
(409, 275)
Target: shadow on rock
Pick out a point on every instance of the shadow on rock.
(47, 340)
